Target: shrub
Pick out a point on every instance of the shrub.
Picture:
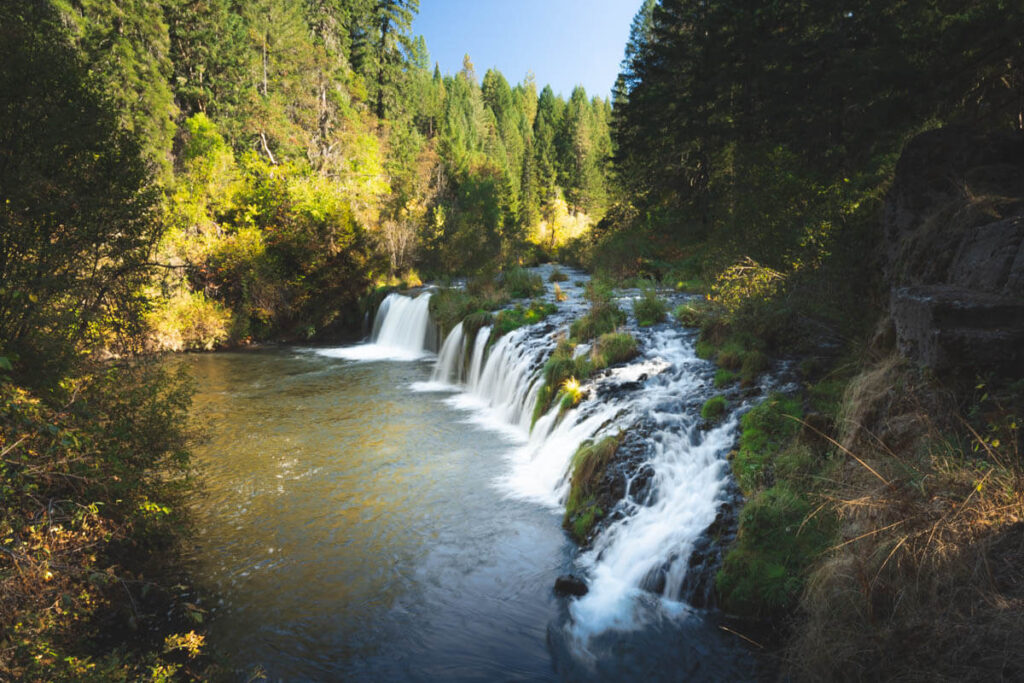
(649, 308)
(745, 282)
(714, 408)
(189, 321)
(753, 364)
(689, 314)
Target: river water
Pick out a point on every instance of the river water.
(356, 523)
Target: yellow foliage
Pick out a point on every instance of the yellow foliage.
(744, 281)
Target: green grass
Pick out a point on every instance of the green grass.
(781, 531)
(724, 377)
(449, 307)
(714, 408)
(649, 309)
(522, 284)
(765, 430)
(764, 573)
(612, 348)
(689, 314)
(609, 349)
(589, 464)
(513, 318)
(603, 317)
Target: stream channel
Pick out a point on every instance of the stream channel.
(368, 513)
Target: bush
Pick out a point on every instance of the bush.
(557, 276)
(714, 408)
(189, 321)
(689, 314)
(649, 309)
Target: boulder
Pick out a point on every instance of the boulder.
(570, 584)
(949, 329)
(954, 227)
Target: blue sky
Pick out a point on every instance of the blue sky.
(563, 42)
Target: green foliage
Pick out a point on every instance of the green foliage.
(780, 534)
(743, 282)
(189, 321)
(557, 276)
(714, 408)
(649, 309)
(77, 221)
(588, 468)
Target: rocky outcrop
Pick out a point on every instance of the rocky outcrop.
(954, 226)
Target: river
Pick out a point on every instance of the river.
(356, 523)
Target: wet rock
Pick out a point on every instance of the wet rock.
(570, 584)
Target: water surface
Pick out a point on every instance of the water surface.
(350, 528)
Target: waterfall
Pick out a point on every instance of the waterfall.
(656, 525)
(401, 331)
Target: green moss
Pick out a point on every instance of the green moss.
(724, 377)
(588, 467)
(781, 532)
(649, 309)
(714, 408)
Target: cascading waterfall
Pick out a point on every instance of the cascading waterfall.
(650, 542)
(401, 331)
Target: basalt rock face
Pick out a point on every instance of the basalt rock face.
(954, 226)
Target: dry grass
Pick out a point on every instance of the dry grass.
(927, 582)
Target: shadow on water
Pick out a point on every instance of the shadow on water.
(349, 528)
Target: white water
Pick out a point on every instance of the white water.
(656, 533)
(399, 332)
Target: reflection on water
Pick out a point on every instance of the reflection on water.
(351, 528)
